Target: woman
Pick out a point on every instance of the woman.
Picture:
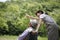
(51, 25)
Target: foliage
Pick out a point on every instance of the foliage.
(12, 14)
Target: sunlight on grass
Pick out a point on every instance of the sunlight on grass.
(42, 38)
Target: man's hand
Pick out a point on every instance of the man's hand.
(34, 32)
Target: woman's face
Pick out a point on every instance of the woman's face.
(38, 14)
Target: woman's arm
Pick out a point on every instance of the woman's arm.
(31, 17)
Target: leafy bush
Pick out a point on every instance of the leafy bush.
(12, 14)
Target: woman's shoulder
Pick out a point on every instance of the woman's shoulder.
(42, 15)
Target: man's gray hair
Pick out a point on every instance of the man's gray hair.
(33, 22)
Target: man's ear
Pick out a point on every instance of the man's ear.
(30, 24)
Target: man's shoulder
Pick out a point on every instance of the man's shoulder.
(30, 29)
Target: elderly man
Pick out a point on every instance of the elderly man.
(29, 33)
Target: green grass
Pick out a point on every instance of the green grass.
(7, 37)
(42, 38)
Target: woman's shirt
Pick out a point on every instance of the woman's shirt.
(47, 19)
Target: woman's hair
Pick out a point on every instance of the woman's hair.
(46, 13)
(39, 11)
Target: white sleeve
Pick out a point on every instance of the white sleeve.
(30, 29)
(25, 33)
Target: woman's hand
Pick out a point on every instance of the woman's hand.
(27, 15)
(31, 17)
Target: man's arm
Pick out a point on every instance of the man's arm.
(23, 35)
(39, 24)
